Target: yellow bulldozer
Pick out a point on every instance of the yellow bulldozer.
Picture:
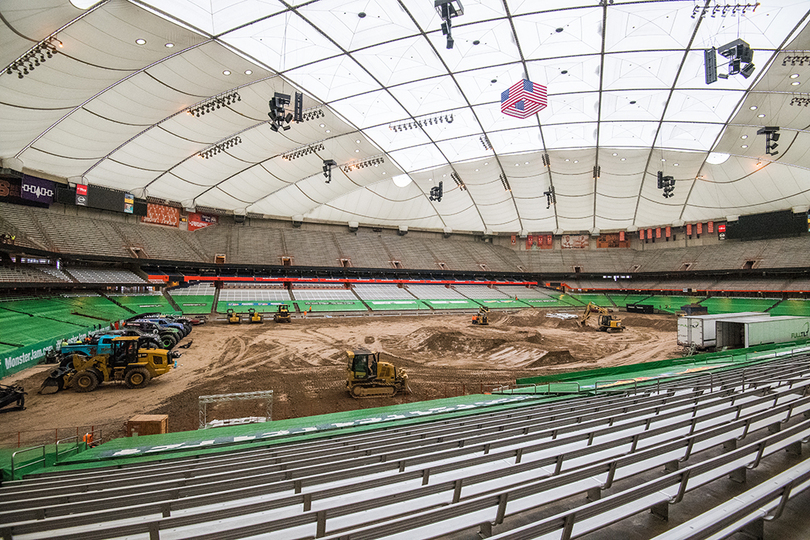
(234, 317)
(127, 363)
(254, 316)
(482, 317)
(607, 322)
(283, 314)
(367, 377)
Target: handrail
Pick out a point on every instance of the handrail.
(77, 445)
(14, 468)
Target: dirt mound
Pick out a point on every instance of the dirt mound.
(666, 323)
(457, 342)
(553, 358)
(536, 339)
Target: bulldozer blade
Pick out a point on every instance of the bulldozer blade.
(52, 385)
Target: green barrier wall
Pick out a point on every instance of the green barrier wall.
(331, 305)
(392, 305)
(451, 304)
(194, 304)
(259, 305)
(30, 355)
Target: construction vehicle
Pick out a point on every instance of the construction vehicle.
(126, 362)
(234, 317)
(10, 394)
(367, 377)
(607, 321)
(283, 314)
(254, 316)
(482, 317)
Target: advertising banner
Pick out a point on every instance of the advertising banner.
(689, 229)
(81, 195)
(669, 231)
(129, 203)
(162, 215)
(574, 241)
(549, 242)
(200, 221)
(700, 228)
(37, 189)
(529, 241)
(710, 226)
(514, 238)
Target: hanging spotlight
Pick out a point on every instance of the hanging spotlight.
(771, 136)
(448, 10)
(328, 164)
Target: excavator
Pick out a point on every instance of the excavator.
(367, 377)
(234, 317)
(607, 321)
(126, 362)
(283, 314)
(482, 317)
(254, 316)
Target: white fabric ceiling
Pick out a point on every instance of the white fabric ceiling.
(626, 94)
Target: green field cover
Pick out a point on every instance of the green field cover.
(737, 305)
(793, 306)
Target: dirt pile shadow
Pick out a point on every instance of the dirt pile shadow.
(432, 340)
(554, 358)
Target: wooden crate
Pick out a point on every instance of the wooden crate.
(147, 424)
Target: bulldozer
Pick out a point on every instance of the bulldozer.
(482, 317)
(367, 377)
(607, 321)
(254, 316)
(283, 314)
(127, 363)
(234, 317)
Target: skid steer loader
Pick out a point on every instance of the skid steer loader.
(283, 314)
(254, 316)
(367, 377)
(233, 317)
(127, 363)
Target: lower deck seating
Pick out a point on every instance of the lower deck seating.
(446, 476)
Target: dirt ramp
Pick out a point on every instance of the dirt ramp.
(554, 358)
(457, 342)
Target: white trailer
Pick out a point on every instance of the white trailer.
(750, 331)
(700, 330)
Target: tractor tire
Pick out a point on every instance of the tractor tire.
(137, 377)
(85, 381)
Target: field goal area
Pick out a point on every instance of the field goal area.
(204, 401)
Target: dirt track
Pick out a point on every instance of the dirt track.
(302, 363)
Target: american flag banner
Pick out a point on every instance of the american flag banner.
(523, 99)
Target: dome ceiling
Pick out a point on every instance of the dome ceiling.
(384, 97)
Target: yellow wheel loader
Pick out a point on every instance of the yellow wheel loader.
(607, 321)
(254, 316)
(127, 363)
(233, 317)
(367, 377)
(283, 314)
(482, 317)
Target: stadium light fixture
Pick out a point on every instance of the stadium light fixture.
(448, 10)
